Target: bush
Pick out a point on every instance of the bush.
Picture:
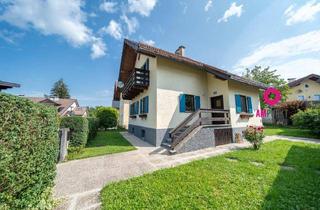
(254, 135)
(93, 127)
(108, 117)
(28, 153)
(78, 131)
(309, 119)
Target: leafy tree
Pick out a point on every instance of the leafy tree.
(108, 117)
(269, 77)
(60, 89)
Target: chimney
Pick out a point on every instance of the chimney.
(291, 79)
(181, 50)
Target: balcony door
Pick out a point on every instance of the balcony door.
(217, 103)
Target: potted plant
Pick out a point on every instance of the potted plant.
(254, 135)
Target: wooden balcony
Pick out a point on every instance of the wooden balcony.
(137, 82)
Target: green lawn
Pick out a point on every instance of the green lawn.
(106, 142)
(290, 131)
(218, 183)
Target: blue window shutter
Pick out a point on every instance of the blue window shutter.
(249, 102)
(197, 102)
(182, 100)
(238, 103)
(146, 101)
(141, 106)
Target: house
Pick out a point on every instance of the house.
(6, 85)
(183, 103)
(306, 88)
(65, 107)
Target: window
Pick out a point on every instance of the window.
(146, 65)
(243, 104)
(301, 98)
(189, 103)
(143, 134)
(244, 107)
(134, 108)
(317, 97)
(306, 85)
(144, 105)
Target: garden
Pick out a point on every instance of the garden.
(96, 135)
(280, 175)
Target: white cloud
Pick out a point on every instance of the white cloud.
(109, 7)
(132, 23)
(208, 6)
(274, 53)
(113, 29)
(303, 14)
(148, 42)
(298, 68)
(10, 36)
(234, 10)
(143, 7)
(50, 17)
(98, 49)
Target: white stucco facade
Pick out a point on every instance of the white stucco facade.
(168, 80)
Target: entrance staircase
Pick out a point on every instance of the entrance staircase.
(199, 118)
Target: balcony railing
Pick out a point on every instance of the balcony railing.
(137, 82)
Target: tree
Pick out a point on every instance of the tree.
(269, 77)
(108, 117)
(60, 89)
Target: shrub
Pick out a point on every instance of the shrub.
(309, 119)
(93, 127)
(78, 131)
(254, 135)
(108, 117)
(28, 153)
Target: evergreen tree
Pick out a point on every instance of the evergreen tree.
(60, 89)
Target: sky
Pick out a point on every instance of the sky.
(81, 41)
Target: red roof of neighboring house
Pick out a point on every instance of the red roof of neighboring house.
(61, 104)
(297, 82)
(80, 111)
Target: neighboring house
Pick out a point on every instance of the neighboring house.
(7, 85)
(305, 89)
(183, 103)
(65, 107)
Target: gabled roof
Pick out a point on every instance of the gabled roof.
(6, 85)
(61, 104)
(297, 82)
(131, 48)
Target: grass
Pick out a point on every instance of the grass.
(218, 183)
(290, 131)
(106, 142)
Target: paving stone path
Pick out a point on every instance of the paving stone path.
(79, 182)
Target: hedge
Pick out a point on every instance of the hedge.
(93, 127)
(108, 117)
(78, 130)
(28, 153)
(309, 119)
